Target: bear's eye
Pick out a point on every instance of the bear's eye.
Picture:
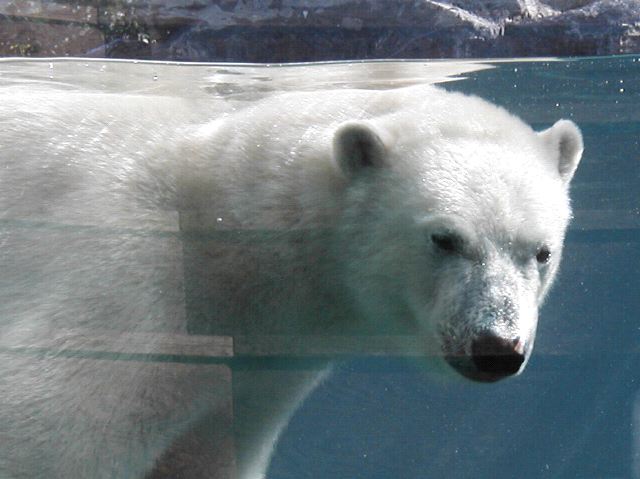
(447, 242)
(543, 255)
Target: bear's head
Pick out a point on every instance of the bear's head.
(455, 228)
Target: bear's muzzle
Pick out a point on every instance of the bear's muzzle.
(492, 358)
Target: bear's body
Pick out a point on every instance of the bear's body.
(410, 211)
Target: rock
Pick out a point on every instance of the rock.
(305, 30)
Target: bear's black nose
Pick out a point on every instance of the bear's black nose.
(496, 357)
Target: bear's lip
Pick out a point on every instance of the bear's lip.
(463, 364)
(490, 365)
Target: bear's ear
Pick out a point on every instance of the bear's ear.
(565, 140)
(358, 146)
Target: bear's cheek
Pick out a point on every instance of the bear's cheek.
(436, 304)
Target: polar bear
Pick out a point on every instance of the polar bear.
(409, 211)
(414, 210)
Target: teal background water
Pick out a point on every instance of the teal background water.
(574, 412)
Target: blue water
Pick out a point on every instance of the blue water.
(575, 411)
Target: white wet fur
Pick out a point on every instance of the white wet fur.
(332, 199)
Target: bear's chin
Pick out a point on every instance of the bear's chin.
(465, 367)
(489, 363)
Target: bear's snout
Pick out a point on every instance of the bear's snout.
(495, 357)
(492, 358)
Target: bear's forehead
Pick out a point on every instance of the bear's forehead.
(510, 200)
